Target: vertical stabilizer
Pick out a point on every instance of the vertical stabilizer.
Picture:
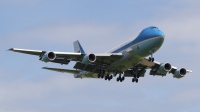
(78, 48)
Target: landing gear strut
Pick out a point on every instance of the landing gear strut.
(101, 74)
(135, 75)
(151, 59)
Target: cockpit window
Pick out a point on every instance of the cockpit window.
(153, 27)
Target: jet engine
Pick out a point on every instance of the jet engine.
(164, 68)
(180, 73)
(89, 58)
(48, 56)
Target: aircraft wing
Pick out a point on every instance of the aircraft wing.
(66, 57)
(157, 68)
(40, 52)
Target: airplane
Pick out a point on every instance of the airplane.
(127, 60)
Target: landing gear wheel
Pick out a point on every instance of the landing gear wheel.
(133, 79)
(106, 77)
(123, 78)
(111, 76)
(117, 79)
(136, 80)
(102, 76)
(152, 60)
(149, 59)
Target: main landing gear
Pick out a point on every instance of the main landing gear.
(108, 77)
(120, 78)
(135, 75)
(101, 75)
(135, 78)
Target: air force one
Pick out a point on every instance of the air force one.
(127, 60)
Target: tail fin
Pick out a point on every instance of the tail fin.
(78, 48)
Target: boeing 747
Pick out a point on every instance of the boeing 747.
(128, 60)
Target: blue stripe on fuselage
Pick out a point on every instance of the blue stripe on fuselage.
(147, 33)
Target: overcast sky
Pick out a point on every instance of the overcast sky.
(99, 26)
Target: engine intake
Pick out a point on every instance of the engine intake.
(179, 73)
(89, 59)
(164, 68)
(48, 56)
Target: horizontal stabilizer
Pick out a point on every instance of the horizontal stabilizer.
(26, 51)
(62, 70)
(189, 71)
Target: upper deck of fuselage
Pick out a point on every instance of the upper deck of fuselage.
(145, 34)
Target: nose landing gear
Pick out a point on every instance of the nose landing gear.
(135, 77)
(151, 59)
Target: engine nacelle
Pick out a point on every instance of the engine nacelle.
(179, 73)
(48, 56)
(89, 58)
(164, 68)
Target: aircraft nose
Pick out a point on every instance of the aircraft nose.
(155, 32)
(161, 34)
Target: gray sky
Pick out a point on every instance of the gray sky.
(99, 26)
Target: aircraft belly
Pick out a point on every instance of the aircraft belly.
(85, 74)
(129, 63)
(124, 63)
